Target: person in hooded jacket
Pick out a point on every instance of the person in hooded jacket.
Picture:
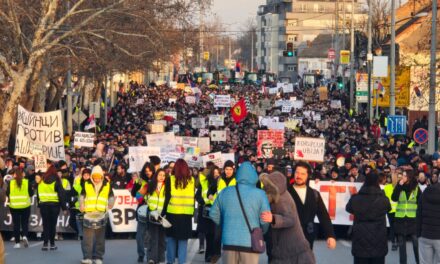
(50, 193)
(227, 213)
(288, 243)
(369, 207)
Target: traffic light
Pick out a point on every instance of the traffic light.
(289, 50)
(340, 82)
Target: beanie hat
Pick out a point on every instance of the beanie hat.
(155, 160)
(97, 170)
(229, 163)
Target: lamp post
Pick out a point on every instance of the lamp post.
(369, 61)
(352, 99)
(393, 59)
(432, 82)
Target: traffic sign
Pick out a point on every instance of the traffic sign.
(421, 136)
(396, 125)
(206, 55)
(331, 54)
(344, 57)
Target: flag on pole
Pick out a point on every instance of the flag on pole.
(237, 66)
(92, 122)
(239, 111)
(417, 91)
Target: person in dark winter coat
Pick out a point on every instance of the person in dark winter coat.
(288, 243)
(369, 207)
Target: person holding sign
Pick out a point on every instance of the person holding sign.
(96, 198)
(19, 194)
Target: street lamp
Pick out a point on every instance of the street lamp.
(432, 82)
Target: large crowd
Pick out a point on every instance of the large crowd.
(250, 205)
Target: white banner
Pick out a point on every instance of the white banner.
(309, 149)
(216, 120)
(335, 104)
(288, 88)
(166, 141)
(123, 215)
(139, 155)
(274, 125)
(228, 156)
(198, 122)
(273, 90)
(222, 101)
(264, 121)
(170, 157)
(83, 139)
(336, 196)
(298, 104)
(218, 135)
(204, 144)
(42, 131)
(286, 106)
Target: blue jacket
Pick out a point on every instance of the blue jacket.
(226, 210)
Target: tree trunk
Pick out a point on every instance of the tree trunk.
(9, 115)
(56, 99)
(34, 84)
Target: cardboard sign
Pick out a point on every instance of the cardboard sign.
(190, 99)
(222, 101)
(198, 122)
(323, 93)
(286, 106)
(193, 161)
(335, 104)
(157, 128)
(44, 130)
(203, 132)
(204, 144)
(165, 141)
(291, 124)
(216, 158)
(137, 157)
(160, 122)
(40, 163)
(172, 100)
(273, 90)
(158, 115)
(309, 149)
(83, 139)
(218, 135)
(216, 120)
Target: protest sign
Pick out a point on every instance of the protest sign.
(263, 121)
(139, 155)
(286, 106)
(176, 128)
(216, 158)
(157, 128)
(203, 132)
(190, 99)
(309, 149)
(172, 114)
(187, 141)
(160, 122)
(222, 101)
(323, 93)
(173, 85)
(39, 130)
(84, 139)
(288, 88)
(273, 90)
(197, 122)
(265, 104)
(165, 159)
(298, 104)
(274, 125)
(40, 163)
(193, 161)
(172, 100)
(267, 140)
(317, 117)
(94, 109)
(140, 101)
(218, 135)
(123, 215)
(291, 124)
(166, 141)
(204, 144)
(335, 104)
(228, 156)
(216, 120)
(158, 115)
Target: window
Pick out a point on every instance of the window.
(291, 67)
(315, 8)
(303, 7)
(292, 23)
(292, 38)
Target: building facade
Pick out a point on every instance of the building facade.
(299, 22)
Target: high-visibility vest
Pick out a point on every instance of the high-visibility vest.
(155, 201)
(96, 202)
(19, 197)
(388, 189)
(222, 184)
(66, 184)
(205, 186)
(407, 207)
(182, 200)
(47, 193)
(78, 188)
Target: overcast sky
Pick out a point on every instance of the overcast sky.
(236, 12)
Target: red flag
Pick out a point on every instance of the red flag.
(239, 111)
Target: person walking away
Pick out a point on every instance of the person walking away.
(390, 183)
(369, 207)
(51, 198)
(179, 210)
(406, 194)
(289, 245)
(309, 205)
(96, 197)
(428, 225)
(226, 212)
(19, 193)
(155, 199)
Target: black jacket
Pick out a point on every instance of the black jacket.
(313, 206)
(406, 225)
(369, 207)
(428, 213)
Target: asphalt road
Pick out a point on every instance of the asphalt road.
(124, 251)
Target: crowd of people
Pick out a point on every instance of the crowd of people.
(250, 205)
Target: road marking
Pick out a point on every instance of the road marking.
(36, 244)
(345, 243)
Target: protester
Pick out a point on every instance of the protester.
(19, 193)
(226, 212)
(406, 194)
(369, 207)
(288, 243)
(179, 210)
(50, 199)
(76, 215)
(428, 225)
(389, 184)
(309, 205)
(96, 198)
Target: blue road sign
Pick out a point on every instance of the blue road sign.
(396, 125)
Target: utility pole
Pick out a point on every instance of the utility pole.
(352, 98)
(252, 51)
(432, 140)
(201, 34)
(337, 37)
(393, 59)
(69, 90)
(229, 58)
(369, 61)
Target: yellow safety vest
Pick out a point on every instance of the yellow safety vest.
(47, 193)
(182, 200)
(407, 207)
(205, 186)
(78, 188)
(19, 197)
(96, 202)
(155, 201)
(388, 189)
(66, 184)
(222, 184)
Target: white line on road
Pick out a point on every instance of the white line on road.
(345, 243)
(31, 246)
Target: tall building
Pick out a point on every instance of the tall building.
(299, 22)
